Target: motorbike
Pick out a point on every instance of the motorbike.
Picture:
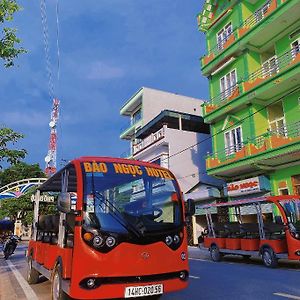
(10, 245)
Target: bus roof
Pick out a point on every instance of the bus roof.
(252, 200)
(54, 182)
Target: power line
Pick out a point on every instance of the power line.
(231, 126)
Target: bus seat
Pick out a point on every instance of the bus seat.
(274, 231)
(219, 229)
(54, 229)
(55, 223)
(250, 230)
(233, 229)
(41, 227)
(47, 229)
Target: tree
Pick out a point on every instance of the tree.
(22, 208)
(19, 171)
(11, 156)
(8, 41)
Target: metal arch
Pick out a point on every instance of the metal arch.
(20, 187)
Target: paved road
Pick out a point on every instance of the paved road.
(233, 278)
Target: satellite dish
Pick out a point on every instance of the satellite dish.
(52, 124)
(47, 159)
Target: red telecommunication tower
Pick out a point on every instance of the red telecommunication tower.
(50, 158)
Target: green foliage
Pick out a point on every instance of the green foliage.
(20, 171)
(12, 156)
(22, 208)
(8, 39)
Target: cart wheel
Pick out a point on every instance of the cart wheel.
(32, 274)
(269, 258)
(215, 253)
(57, 292)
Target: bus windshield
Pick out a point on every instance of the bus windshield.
(292, 211)
(128, 198)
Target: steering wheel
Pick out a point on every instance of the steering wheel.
(155, 211)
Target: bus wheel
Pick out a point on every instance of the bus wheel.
(57, 292)
(215, 253)
(32, 274)
(269, 258)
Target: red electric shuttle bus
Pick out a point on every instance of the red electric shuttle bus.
(267, 235)
(119, 231)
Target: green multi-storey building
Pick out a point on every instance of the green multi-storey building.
(252, 64)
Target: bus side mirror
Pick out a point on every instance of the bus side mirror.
(190, 207)
(64, 202)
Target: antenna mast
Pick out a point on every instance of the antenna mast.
(50, 158)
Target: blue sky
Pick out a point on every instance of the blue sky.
(108, 50)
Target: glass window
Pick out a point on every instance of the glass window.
(276, 119)
(136, 116)
(296, 184)
(233, 140)
(127, 197)
(223, 35)
(228, 84)
(295, 48)
(270, 66)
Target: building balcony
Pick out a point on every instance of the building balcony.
(271, 150)
(128, 132)
(272, 20)
(150, 140)
(271, 80)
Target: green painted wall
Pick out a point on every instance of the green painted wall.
(283, 175)
(291, 108)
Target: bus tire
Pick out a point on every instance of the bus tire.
(269, 258)
(32, 274)
(57, 292)
(215, 254)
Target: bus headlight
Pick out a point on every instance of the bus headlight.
(97, 241)
(110, 241)
(90, 283)
(176, 239)
(169, 240)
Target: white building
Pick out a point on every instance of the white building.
(168, 129)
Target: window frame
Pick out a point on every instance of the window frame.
(228, 89)
(235, 145)
(223, 33)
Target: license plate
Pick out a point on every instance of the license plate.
(145, 290)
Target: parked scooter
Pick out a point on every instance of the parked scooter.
(10, 245)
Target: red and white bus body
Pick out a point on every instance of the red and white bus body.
(117, 247)
(270, 240)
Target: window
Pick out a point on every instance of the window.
(223, 35)
(296, 184)
(136, 116)
(260, 13)
(270, 66)
(283, 191)
(233, 140)
(276, 119)
(295, 47)
(227, 84)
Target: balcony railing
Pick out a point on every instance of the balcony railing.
(272, 139)
(151, 139)
(267, 71)
(240, 30)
